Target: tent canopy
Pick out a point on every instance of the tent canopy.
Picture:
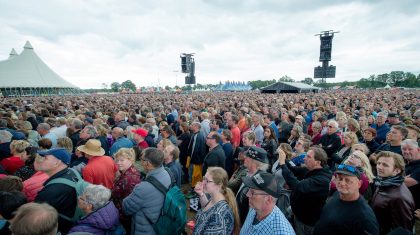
(27, 70)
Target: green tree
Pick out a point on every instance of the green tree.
(396, 76)
(308, 81)
(115, 86)
(167, 88)
(384, 78)
(286, 78)
(128, 85)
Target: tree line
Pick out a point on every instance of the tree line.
(394, 79)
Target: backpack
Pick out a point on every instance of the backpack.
(173, 215)
(283, 203)
(79, 185)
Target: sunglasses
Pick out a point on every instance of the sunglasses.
(331, 126)
(352, 169)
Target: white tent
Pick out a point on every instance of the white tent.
(28, 70)
(26, 74)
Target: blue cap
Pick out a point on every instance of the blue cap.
(59, 153)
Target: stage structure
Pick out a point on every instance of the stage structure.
(188, 67)
(326, 71)
(25, 74)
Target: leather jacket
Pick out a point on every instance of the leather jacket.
(393, 207)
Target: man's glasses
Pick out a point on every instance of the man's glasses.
(352, 169)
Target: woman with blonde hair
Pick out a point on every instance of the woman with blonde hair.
(350, 139)
(128, 178)
(219, 212)
(18, 158)
(66, 143)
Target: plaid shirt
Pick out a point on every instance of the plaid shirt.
(275, 223)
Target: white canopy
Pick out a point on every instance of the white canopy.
(28, 70)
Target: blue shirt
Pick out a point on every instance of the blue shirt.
(275, 128)
(275, 223)
(381, 132)
(299, 160)
(122, 142)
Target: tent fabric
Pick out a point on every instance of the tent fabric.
(27, 70)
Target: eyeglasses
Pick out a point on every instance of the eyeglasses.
(352, 169)
(355, 156)
(207, 181)
(298, 143)
(82, 199)
(253, 193)
(331, 126)
(210, 138)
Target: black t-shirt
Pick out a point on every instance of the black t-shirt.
(342, 217)
(413, 170)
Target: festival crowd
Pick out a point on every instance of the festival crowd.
(335, 162)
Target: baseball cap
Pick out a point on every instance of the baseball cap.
(59, 153)
(140, 131)
(393, 115)
(348, 170)
(262, 181)
(257, 154)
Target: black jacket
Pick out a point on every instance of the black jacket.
(60, 196)
(197, 148)
(330, 143)
(216, 157)
(308, 195)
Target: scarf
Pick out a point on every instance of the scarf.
(389, 181)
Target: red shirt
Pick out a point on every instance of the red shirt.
(100, 170)
(143, 145)
(11, 164)
(236, 136)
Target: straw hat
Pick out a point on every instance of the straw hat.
(92, 147)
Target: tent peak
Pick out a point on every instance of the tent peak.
(28, 45)
(13, 53)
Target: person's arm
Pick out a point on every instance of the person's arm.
(288, 176)
(203, 197)
(410, 181)
(402, 213)
(131, 203)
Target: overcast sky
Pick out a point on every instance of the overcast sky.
(93, 42)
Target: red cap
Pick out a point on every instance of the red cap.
(140, 131)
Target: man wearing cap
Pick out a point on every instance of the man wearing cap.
(255, 160)
(347, 212)
(264, 217)
(394, 119)
(100, 169)
(216, 155)
(62, 197)
(309, 194)
(139, 136)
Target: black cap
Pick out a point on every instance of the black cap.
(393, 115)
(263, 181)
(257, 154)
(348, 170)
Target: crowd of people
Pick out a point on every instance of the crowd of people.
(335, 162)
